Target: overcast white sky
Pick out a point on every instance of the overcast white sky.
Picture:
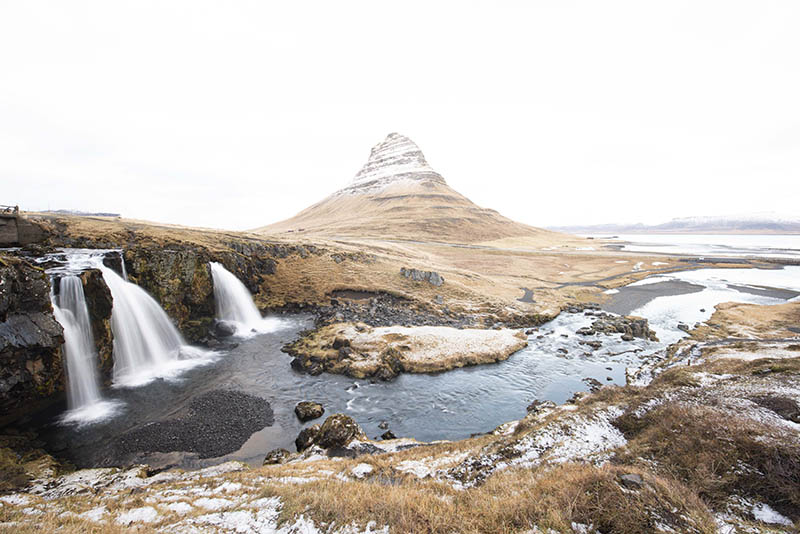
(238, 114)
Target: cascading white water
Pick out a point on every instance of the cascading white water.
(235, 303)
(83, 387)
(122, 264)
(146, 343)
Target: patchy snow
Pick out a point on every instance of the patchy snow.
(764, 513)
(213, 503)
(16, 499)
(264, 502)
(145, 514)
(429, 467)
(579, 438)
(95, 514)
(390, 445)
(181, 508)
(361, 470)
(228, 487)
(221, 469)
(260, 516)
(295, 480)
(506, 429)
(708, 379)
(611, 291)
(414, 467)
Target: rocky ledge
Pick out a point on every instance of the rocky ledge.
(361, 351)
(30, 338)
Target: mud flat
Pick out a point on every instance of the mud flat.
(628, 298)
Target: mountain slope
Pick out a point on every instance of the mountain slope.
(397, 195)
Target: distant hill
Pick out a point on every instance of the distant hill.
(765, 223)
(83, 213)
(397, 195)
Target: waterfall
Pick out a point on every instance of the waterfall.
(83, 387)
(122, 263)
(146, 343)
(235, 303)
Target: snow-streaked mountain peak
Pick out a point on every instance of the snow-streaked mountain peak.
(395, 159)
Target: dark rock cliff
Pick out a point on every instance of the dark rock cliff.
(31, 365)
(99, 303)
(179, 277)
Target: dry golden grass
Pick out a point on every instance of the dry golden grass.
(734, 319)
(513, 500)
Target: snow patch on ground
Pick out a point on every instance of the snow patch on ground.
(181, 508)
(260, 516)
(361, 470)
(228, 487)
(764, 513)
(145, 514)
(212, 503)
(95, 514)
(580, 438)
(16, 499)
(429, 467)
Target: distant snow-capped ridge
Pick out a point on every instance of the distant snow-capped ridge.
(760, 217)
(749, 222)
(395, 159)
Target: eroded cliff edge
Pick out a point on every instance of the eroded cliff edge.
(31, 366)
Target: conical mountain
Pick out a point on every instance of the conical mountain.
(397, 195)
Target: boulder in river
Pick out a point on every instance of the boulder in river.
(308, 410)
(224, 329)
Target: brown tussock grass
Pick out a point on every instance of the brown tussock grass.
(716, 454)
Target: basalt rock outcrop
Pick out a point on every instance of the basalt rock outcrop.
(630, 327)
(99, 303)
(31, 366)
(337, 431)
(416, 275)
(180, 280)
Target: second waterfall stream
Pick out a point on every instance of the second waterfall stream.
(146, 343)
(235, 304)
